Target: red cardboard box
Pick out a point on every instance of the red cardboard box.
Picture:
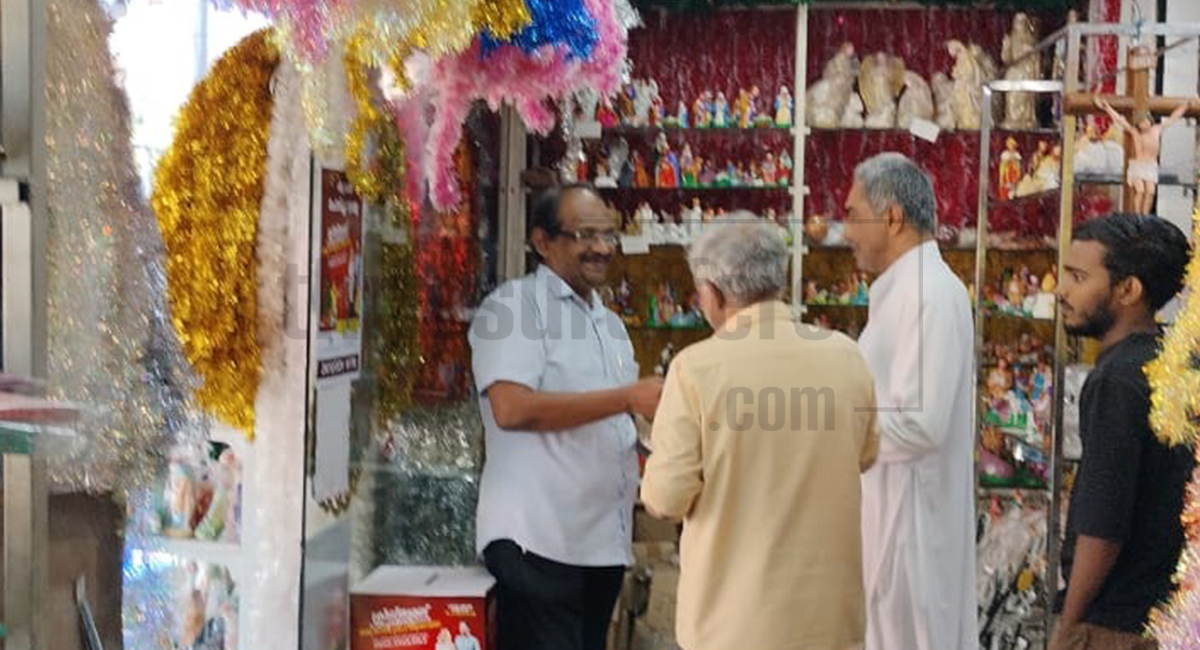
(423, 608)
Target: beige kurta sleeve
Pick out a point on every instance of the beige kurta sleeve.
(674, 473)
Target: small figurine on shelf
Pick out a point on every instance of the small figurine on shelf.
(647, 221)
(664, 175)
(784, 107)
(687, 164)
(810, 292)
(656, 111)
(624, 299)
(720, 118)
(863, 290)
(603, 176)
(693, 219)
(641, 177)
(852, 115)
(741, 109)
(605, 115)
(661, 145)
(667, 303)
(626, 110)
(1014, 292)
(827, 98)
(1010, 170)
(755, 176)
(180, 497)
(741, 177)
(682, 117)
(701, 113)
(784, 174)
(707, 176)
(769, 170)
(1049, 168)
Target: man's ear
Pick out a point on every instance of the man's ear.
(540, 240)
(895, 219)
(1131, 291)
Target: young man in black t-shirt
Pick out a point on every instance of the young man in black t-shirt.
(1124, 535)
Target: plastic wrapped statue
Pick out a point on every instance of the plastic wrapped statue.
(880, 81)
(852, 117)
(1019, 109)
(969, 75)
(1089, 155)
(783, 107)
(827, 98)
(943, 92)
(916, 102)
(1010, 170)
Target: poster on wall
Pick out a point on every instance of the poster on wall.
(337, 304)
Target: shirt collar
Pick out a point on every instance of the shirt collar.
(903, 265)
(558, 287)
(759, 312)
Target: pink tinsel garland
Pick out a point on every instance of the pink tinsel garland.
(526, 81)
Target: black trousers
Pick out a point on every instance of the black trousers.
(546, 605)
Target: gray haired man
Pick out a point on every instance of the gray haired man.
(918, 500)
(757, 445)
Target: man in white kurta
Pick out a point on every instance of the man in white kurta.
(918, 503)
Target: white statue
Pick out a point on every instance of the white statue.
(588, 101)
(969, 76)
(1114, 150)
(916, 102)
(852, 117)
(880, 81)
(1019, 106)
(826, 99)
(647, 222)
(1090, 157)
(647, 93)
(943, 92)
(693, 218)
(618, 155)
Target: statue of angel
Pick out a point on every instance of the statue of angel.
(916, 102)
(880, 81)
(1022, 41)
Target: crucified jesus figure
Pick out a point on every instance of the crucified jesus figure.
(1142, 175)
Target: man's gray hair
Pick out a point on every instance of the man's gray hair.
(893, 179)
(746, 257)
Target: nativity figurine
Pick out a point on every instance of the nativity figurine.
(1023, 63)
(826, 99)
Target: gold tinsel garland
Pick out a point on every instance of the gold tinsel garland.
(1175, 375)
(207, 194)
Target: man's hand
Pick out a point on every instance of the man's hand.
(1060, 639)
(643, 396)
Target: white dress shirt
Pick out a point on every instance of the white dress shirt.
(565, 495)
(918, 499)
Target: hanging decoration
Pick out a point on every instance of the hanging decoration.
(696, 6)
(1175, 415)
(207, 194)
(311, 28)
(555, 22)
(527, 81)
(110, 346)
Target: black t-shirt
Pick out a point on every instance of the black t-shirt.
(1129, 487)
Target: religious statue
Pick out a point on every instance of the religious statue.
(626, 108)
(707, 175)
(1010, 170)
(970, 72)
(605, 115)
(646, 220)
(1022, 41)
(852, 116)
(664, 173)
(943, 93)
(769, 170)
(826, 99)
(1049, 169)
(783, 107)
(785, 168)
(916, 102)
(641, 177)
(681, 118)
(1142, 175)
(743, 109)
(645, 96)
(1089, 155)
(720, 117)
(687, 163)
(880, 81)
(692, 219)
(604, 177)
(701, 114)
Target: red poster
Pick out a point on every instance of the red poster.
(341, 254)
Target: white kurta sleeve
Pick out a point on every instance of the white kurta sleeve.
(923, 382)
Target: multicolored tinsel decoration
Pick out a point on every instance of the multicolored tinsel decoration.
(311, 28)
(110, 345)
(207, 193)
(513, 75)
(555, 22)
(1175, 415)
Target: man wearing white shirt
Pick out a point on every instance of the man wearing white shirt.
(557, 386)
(918, 502)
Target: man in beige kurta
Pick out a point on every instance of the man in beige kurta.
(757, 445)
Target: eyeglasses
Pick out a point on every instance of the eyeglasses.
(590, 237)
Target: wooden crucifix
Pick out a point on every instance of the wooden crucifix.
(1142, 135)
